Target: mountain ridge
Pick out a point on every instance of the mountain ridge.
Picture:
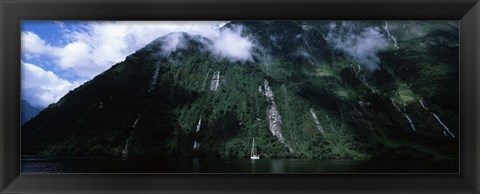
(28, 111)
(300, 97)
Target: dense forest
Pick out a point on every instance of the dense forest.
(313, 89)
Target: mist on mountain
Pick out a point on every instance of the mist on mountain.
(303, 89)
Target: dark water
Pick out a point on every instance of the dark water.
(117, 165)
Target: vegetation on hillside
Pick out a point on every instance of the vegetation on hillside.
(331, 106)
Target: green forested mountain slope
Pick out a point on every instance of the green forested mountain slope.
(315, 89)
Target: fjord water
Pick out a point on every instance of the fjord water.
(32, 164)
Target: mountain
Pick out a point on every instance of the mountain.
(28, 111)
(312, 89)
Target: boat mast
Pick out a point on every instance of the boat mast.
(253, 147)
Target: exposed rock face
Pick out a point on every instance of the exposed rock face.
(274, 118)
(268, 91)
(173, 91)
(215, 83)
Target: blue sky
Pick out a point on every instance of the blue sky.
(58, 56)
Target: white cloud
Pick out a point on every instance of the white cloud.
(41, 87)
(92, 47)
(172, 42)
(68, 56)
(33, 45)
(361, 44)
(225, 43)
(231, 45)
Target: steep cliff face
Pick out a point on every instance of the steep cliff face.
(350, 90)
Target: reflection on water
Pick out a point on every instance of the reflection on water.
(118, 165)
(277, 166)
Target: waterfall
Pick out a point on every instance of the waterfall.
(369, 123)
(366, 84)
(359, 69)
(125, 147)
(410, 121)
(446, 129)
(135, 123)
(317, 122)
(393, 103)
(404, 114)
(361, 115)
(196, 145)
(307, 44)
(205, 80)
(154, 78)
(389, 35)
(423, 105)
(199, 124)
(218, 81)
(127, 143)
(284, 90)
(215, 83)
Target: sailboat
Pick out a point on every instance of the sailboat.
(253, 153)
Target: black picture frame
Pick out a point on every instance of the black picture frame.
(13, 11)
